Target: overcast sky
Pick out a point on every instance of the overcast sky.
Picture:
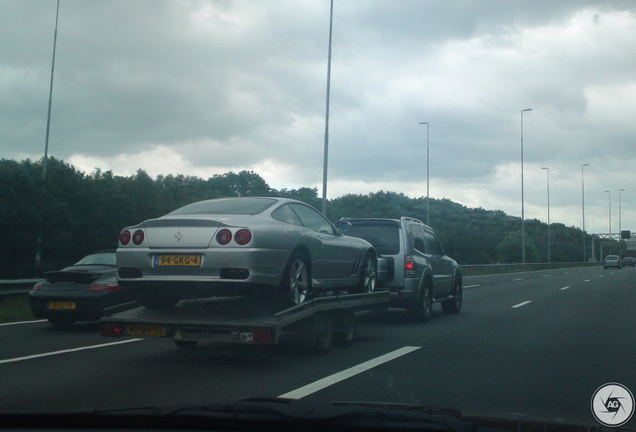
(206, 87)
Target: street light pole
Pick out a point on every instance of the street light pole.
(619, 222)
(48, 116)
(326, 146)
(548, 177)
(609, 201)
(583, 205)
(45, 159)
(428, 213)
(523, 224)
(619, 210)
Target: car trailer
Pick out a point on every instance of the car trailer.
(255, 320)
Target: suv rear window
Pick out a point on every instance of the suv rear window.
(383, 235)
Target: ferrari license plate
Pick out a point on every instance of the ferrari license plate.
(177, 261)
(148, 330)
(62, 305)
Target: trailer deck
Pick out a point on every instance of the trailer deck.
(248, 320)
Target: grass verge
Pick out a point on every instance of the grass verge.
(15, 308)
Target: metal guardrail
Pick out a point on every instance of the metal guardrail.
(487, 269)
(16, 286)
(23, 286)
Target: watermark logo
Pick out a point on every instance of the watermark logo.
(613, 404)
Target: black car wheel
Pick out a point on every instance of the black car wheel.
(344, 327)
(454, 306)
(323, 334)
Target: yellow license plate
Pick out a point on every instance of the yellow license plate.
(146, 330)
(177, 260)
(62, 305)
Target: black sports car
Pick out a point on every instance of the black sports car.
(85, 291)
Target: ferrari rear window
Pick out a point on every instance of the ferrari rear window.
(242, 206)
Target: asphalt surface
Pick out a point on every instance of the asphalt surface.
(535, 344)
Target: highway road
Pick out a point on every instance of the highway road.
(532, 344)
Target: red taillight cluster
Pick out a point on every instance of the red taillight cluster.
(112, 330)
(241, 237)
(104, 286)
(38, 286)
(410, 268)
(137, 237)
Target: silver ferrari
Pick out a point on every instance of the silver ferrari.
(237, 246)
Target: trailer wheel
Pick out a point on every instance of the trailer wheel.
(345, 328)
(185, 344)
(323, 333)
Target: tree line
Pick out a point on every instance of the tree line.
(71, 213)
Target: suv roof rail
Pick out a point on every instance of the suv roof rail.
(407, 218)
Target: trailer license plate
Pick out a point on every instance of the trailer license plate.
(62, 305)
(177, 261)
(150, 330)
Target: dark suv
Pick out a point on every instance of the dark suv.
(418, 272)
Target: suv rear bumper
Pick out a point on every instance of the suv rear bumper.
(404, 295)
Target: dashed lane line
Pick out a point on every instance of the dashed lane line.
(22, 322)
(52, 353)
(521, 304)
(347, 373)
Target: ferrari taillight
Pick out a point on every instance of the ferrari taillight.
(124, 237)
(138, 237)
(224, 236)
(243, 237)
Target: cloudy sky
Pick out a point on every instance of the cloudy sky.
(206, 87)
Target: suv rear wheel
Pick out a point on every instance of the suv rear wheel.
(454, 306)
(422, 308)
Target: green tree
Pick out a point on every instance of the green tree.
(509, 250)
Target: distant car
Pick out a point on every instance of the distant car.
(419, 272)
(629, 261)
(612, 261)
(85, 291)
(233, 246)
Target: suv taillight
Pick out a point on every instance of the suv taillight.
(410, 268)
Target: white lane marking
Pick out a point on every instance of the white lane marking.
(521, 304)
(564, 288)
(470, 286)
(347, 373)
(546, 275)
(587, 280)
(516, 280)
(17, 359)
(22, 322)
